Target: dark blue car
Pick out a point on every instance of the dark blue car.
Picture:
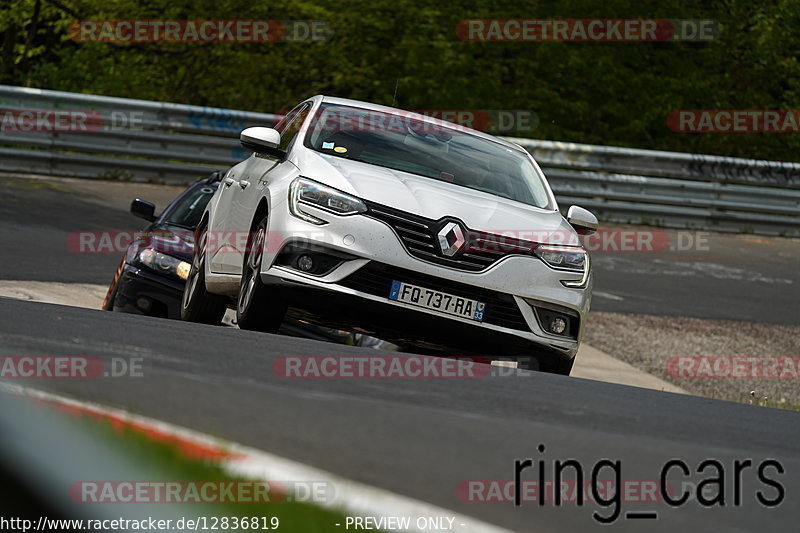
(150, 279)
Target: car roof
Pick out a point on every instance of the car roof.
(425, 118)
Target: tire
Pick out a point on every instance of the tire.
(258, 307)
(197, 304)
(555, 365)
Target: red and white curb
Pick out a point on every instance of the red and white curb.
(349, 497)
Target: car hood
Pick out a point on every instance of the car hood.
(437, 199)
(171, 240)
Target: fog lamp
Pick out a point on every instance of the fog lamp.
(558, 325)
(305, 263)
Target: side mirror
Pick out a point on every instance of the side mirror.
(143, 209)
(584, 222)
(262, 141)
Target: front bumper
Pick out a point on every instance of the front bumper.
(519, 283)
(145, 293)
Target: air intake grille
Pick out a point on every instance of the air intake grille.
(418, 235)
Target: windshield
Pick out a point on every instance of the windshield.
(187, 211)
(436, 151)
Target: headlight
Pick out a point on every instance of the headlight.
(308, 192)
(568, 258)
(163, 263)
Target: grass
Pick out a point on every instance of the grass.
(175, 465)
(764, 401)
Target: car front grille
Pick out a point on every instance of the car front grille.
(418, 236)
(376, 279)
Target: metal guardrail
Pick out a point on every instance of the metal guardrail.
(674, 189)
(145, 140)
(126, 138)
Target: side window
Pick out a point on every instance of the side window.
(290, 126)
(287, 118)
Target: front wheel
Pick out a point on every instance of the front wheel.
(198, 305)
(258, 307)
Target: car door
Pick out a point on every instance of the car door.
(221, 239)
(250, 186)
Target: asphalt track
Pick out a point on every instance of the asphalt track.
(421, 437)
(732, 277)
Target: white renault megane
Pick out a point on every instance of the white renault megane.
(435, 237)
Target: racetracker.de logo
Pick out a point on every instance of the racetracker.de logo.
(49, 120)
(437, 122)
(508, 241)
(68, 367)
(733, 367)
(587, 30)
(379, 367)
(569, 491)
(199, 31)
(177, 492)
(734, 121)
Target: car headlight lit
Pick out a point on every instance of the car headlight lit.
(163, 263)
(308, 192)
(569, 258)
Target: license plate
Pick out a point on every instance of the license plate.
(437, 300)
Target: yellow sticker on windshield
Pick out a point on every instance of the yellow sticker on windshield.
(340, 149)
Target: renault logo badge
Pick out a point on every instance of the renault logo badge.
(451, 239)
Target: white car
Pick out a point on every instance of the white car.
(427, 234)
